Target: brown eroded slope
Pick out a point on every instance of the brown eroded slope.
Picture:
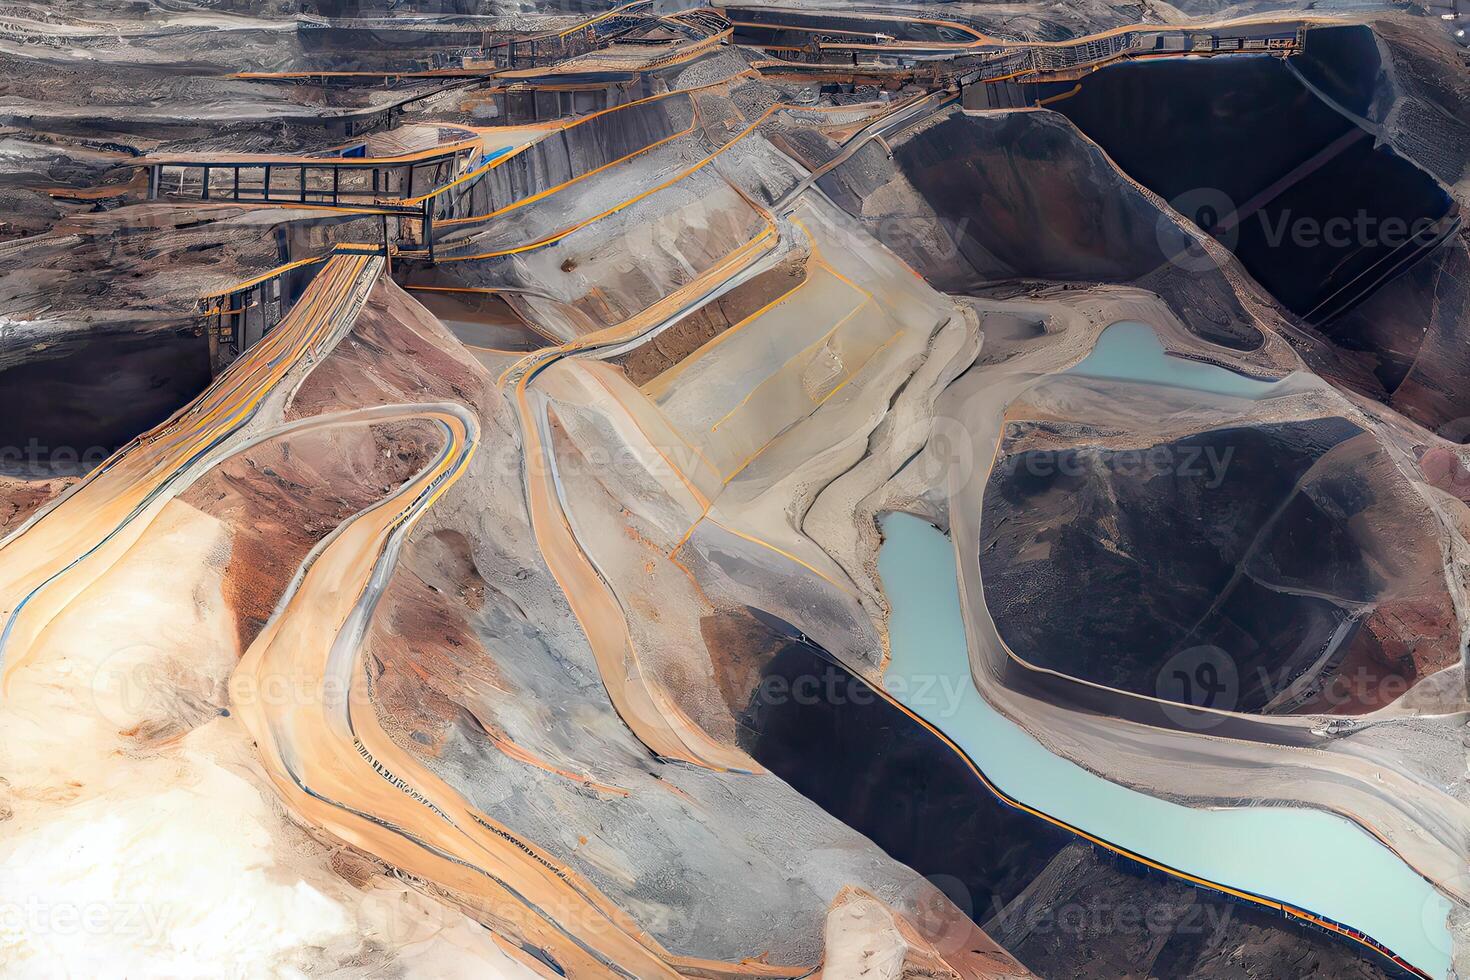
(286, 494)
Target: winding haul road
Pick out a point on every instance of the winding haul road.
(322, 744)
(300, 688)
(48, 560)
(331, 760)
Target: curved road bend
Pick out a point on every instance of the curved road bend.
(333, 764)
(48, 560)
(649, 713)
(1170, 749)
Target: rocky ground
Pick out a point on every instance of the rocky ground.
(565, 639)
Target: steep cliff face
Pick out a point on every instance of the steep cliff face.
(1312, 205)
(1325, 177)
(970, 199)
(1282, 553)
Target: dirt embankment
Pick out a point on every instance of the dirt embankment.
(397, 353)
(973, 199)
(286, 494)
(1295, 553)
(20, 498)
(423, 652)
(1412, 336)
(647, 361)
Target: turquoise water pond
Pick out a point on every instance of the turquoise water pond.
(1308, 858)
(1128, 351)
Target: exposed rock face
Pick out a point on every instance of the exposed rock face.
(24, 497)
(550, 607)
(1026, 199)
(1291, 552)
(969, 199)
(1129, 925)
(1422, 98)
(1447, 470)
(864, 761)
(1317, 204)
(1411, 335)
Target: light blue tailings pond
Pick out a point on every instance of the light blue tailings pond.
(1128, 351)
(1308, 858)
(1311, 859)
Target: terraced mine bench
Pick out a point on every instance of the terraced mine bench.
(551, 47)
(237, 318)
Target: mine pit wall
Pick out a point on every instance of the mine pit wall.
(760, 25)
(533, 104)
(65, 408)
(400, 44)
(1413, 334)
(560, 156)
(669, 348)
(614, 269)
(974, 199)
(1392, 77)
(1214, 135)
(1234, 130)
(1332, 570)
(568, 153)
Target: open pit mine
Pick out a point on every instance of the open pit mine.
(796, 489)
